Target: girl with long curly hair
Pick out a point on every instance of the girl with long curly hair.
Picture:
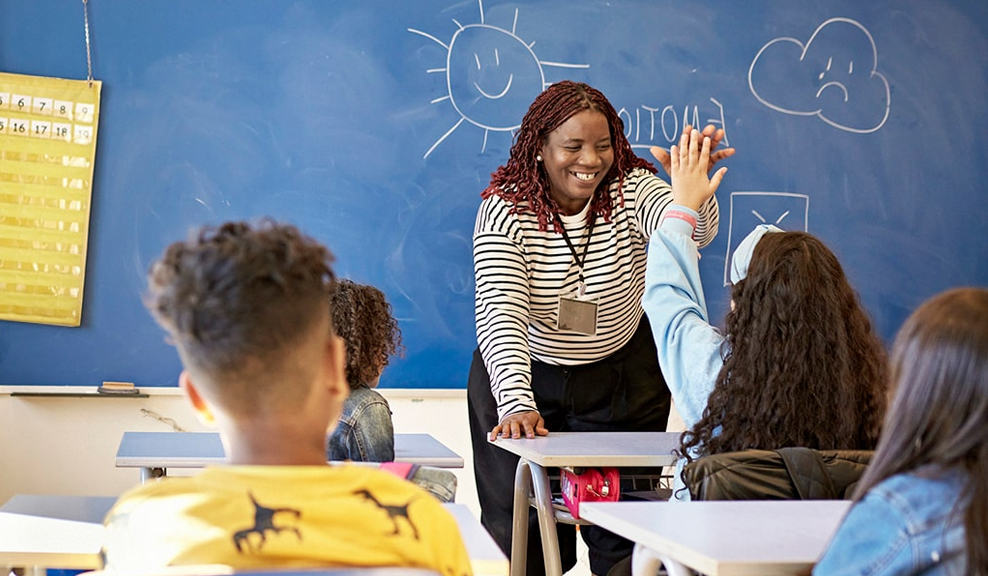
(922, 505)
(559, 257)
(798, 364)
(362, 318)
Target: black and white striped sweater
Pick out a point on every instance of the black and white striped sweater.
(521, 272)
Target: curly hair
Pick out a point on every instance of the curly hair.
(802, 364)
(236, 299)
(523, 182)
(362, 317)
(940, 407)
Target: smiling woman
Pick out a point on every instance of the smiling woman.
(559, 259)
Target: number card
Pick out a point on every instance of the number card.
(47, 150)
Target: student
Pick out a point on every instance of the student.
(922, 505)
(559, 258)
(362, 318)
(798, 363)
(364, 433)
(246, 307)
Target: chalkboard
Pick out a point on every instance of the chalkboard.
(374, 125)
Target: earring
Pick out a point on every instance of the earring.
(538, 157)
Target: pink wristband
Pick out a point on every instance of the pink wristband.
(685, 217)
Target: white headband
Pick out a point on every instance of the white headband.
(742, 254)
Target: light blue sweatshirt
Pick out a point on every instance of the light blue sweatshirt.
(689, 347)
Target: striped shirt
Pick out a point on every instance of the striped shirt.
(521, 273)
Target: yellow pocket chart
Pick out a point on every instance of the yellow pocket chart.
(47, 151)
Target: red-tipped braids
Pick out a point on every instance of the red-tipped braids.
(522, 181)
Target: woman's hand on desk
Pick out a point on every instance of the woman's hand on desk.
(528, 423)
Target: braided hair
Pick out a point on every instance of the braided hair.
(524, 183)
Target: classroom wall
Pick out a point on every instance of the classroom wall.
(61, 445)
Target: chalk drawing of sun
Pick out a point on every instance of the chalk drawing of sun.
(492, 76)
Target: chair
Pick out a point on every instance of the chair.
(784, 474)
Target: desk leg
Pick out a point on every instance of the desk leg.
(519, 518)
(547, 520)
(152, 473)
(529, 478)
(646, 562)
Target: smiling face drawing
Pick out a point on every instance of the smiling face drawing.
(492, 76)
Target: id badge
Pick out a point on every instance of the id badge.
(577, 314)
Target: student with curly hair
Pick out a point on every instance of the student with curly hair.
(922, 505)
(798, 364)
(246, 307)
(559, 256)
(362, 318)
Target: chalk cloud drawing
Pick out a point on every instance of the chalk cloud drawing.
(492, 76)
(786, 210)
(833, 76)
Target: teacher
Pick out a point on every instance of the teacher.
(559, 257)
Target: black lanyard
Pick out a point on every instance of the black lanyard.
(579, 261)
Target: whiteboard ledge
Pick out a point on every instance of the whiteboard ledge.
(78, 390)
(395, 393)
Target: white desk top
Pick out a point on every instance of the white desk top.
(596, 448)
(67, 532)
(199, 449)
(91, 509)
(425, 450)
(486, 557)
(734, 538)
(37, 541)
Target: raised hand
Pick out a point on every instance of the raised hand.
(715, 135)
(689, 162)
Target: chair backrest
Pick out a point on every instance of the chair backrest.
(784, 474)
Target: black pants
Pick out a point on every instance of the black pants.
(623, 392)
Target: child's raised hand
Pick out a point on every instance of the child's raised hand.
(716, 136)
(689, 162)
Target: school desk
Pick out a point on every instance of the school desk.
(41, 540)
(155, 452)
(570, 449)
(722, 538)
(67, 532)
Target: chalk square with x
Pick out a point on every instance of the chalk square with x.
(787, 210)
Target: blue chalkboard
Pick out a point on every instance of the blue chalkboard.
(374, 125)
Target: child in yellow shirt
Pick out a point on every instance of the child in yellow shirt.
(246, 307)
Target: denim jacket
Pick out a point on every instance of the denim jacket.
(365, 432)
(907, 524)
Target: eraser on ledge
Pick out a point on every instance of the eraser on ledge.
(110, 385)
(123, 388)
